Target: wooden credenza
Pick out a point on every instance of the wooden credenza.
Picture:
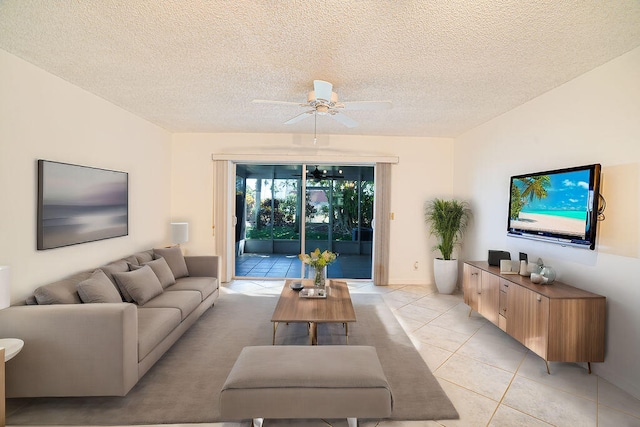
(558, 322)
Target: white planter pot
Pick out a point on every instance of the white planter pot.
(445, 273)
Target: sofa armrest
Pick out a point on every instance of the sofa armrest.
(203, 266)
(72, 349)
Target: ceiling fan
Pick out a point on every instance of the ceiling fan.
(323, 101)
(318, 174)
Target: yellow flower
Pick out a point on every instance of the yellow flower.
(318, 259)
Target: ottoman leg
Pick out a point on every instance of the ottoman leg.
(353, 422)
(257, 422)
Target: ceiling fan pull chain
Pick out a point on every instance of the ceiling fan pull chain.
(315, 129)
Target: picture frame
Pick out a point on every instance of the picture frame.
(79, 204)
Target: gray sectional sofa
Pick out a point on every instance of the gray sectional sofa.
(97, 332)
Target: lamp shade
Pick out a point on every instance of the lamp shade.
(179, 232)
(5, 289)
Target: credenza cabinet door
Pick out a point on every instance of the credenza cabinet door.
(489, 303)
(528, 319)
(576, 328)
(471, 285)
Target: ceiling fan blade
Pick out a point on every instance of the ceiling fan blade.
(367, 105)
(299, 117)
(347, 121)
(267, 101)
(322, 90)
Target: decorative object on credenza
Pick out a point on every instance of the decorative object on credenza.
(523, 264)
(319, 262)
(494, 257)
(509, 267)
(447, 220)
(533, 267)
(80, 204)
(179, 232)
(523, 268)
(545, 276)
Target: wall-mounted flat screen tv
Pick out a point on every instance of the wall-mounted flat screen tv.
(79, 204)
(559, 206)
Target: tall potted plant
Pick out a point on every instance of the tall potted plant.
(447, 220)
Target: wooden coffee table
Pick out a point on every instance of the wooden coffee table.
(335, 308)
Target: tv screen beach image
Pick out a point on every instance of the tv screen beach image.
(551, 204)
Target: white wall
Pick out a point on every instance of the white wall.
(44, 117)
(592, 119)
(424, 171)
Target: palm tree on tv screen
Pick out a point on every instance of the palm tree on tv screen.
(534, 187)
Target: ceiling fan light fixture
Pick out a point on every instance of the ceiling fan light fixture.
(322, 110)
(313, 100)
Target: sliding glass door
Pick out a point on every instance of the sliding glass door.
(337, 216)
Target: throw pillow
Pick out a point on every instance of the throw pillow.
(141, 284)
(162, 270)
(98, 288)
(117, 267)
(175, 260)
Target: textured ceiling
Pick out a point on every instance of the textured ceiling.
(195, 66)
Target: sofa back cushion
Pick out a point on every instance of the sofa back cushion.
(62, 291)
(141, 284)
(98, 289)
(144, 256)
(175, 259)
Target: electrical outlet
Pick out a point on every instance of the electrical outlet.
(416, 266)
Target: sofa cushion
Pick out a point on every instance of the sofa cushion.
(98, 289)
(117, 267)
(154, 324)
(131, 259)
(185, 301)
(144, 256)
(205, 285)
(162, 271)
(175, 259)
(62, 291)
(141, 284)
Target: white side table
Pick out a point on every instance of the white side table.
(12, 346)
(9, 347)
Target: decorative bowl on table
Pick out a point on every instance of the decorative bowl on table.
(296, 286)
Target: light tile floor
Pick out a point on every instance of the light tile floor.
(491, 379)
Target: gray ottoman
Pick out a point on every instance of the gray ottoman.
(306, 382)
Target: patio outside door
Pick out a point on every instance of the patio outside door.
(338, 213)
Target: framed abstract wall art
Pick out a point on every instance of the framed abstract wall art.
(79, 204)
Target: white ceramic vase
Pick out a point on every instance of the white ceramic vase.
(445, 273)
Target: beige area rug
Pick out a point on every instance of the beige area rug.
(184, 386)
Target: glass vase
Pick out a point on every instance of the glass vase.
(319, 276)
(548, 275)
